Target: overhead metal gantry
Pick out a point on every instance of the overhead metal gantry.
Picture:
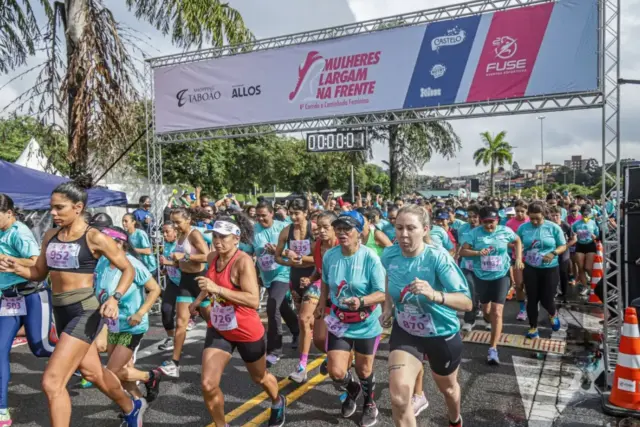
(606, 98)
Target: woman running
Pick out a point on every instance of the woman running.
(69, 256)
(515, 223)
(232, 286)
(326, 240)
(488, 247)
(425, 290)
(125, 332)
(140, 242)
(190, 256)
(172, 284)
(543, 241)
(355, 285)
(22, 303)
(587, 231)
(556, 216)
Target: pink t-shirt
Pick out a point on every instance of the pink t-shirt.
(571, 219)
(514, 223)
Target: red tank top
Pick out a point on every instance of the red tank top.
(249, 327)
(317, 255)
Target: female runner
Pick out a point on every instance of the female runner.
(69, 256)
(232, 286)
(172, 286)
(22, 303)
(425, 290)
(125, 332)
(140, 242)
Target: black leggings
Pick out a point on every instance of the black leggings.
(168, 309)
(470, 316)
(278, 309)
(540, 284)
(564, 277)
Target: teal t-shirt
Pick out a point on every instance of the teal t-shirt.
(495, 265)
(358, 275)
(463, 233)
(208, 237)
(415, 313)
(563, 214)
(457, 224)
(270, 271)
(246, 248)
(440, 237)
(173, 273)
(585, 229)
(17, 241)
(139, 239)
(539, 241)
(387, 228)
(106, 283)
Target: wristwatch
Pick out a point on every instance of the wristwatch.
(117, 296)
(554, 253)
(187, 256)
(361, 299)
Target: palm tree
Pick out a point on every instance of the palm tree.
(87, 86)
(496, 153)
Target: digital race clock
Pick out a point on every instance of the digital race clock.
(352, 140)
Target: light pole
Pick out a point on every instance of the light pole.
(511, 169)
(541, 118)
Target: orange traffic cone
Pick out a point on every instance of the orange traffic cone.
(597, 273)
(624, 398)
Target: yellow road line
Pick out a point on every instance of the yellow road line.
(255, 401)
(291, 397)
(294, 395)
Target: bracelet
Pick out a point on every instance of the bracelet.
(361, 299)
(443, 299)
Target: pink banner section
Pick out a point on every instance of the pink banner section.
(509, 53)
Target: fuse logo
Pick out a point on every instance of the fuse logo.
(505, 48)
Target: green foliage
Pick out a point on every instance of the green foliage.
(17, 131)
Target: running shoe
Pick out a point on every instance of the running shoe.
(191, 324)
(487, 324)
(134, 419)
(324, 368)
(5, 418)
(458, 424)
(166, 345)
(555, 323)
(492, 357)
(299, 376)
(522, 315)
(272, 359)
(349, 404)
(85, 384)
(170, 369)
(419, 403)
(294, 342)
(468, 327)
(369, 415)
(532, 333)
(77, 373)
(153, 386)
(278, 415)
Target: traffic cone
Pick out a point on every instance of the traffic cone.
(597, 273)
(624, 398)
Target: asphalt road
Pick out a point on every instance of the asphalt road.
(491, 396)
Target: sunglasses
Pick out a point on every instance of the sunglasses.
(343, 230)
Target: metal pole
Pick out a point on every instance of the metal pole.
(541, 118)
(353, 187)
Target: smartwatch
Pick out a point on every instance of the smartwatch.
(187, 256)
(117, 296)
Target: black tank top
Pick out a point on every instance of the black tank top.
(71, 257)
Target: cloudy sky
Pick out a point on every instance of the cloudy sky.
(565, 133)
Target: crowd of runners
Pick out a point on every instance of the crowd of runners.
(338, 274)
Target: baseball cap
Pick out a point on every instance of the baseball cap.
(510, 211)
(353, 219)
(441, 214)
(461, 212)
(490, 215)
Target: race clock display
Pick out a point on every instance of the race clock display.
(352, 140)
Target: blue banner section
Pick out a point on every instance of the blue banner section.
(441, 62)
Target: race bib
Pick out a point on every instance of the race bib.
(63, 256)
(584, 235)
(419, 325)
(468, 264)
(13, 306)
(113, 325)
(267, 262)
(223, 318)
(173, 273)
(335, 326)
(533, 258)
(491, 263)
(301, 247)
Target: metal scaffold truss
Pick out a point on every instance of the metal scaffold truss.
(607, 98)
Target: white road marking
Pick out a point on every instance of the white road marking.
(196, 334)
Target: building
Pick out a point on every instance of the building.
(578, 163)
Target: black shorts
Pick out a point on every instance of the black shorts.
(250, 352)
(493, 290)
(80, 320)
(586, 248)
(443, 353)
(366, 346)
(189, 289)
(305, 294)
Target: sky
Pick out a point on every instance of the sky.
(565, 133)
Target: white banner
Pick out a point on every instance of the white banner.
(358, 74)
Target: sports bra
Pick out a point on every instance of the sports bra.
(185, 247)
(72, 257)
(301, 247)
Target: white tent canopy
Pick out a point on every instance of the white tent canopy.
(32, 157)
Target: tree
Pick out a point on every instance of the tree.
(88, 82)
(497, 152)
(515, 168)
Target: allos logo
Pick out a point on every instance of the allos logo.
(454, 37)
(242, 91)
(203, 94)
(427, 92)
(505, 48)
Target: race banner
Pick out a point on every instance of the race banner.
(547, 49)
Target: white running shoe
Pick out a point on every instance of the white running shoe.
(299, 376)
(468, 327)
(166, 345)
(170, 369)
(419, 403)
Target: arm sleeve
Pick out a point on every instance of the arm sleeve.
(450, 275)
(377, 274)
(559, 235)
(142, 275)
(511, 234)
(446, 242)
(144, 240)
(25, 244)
